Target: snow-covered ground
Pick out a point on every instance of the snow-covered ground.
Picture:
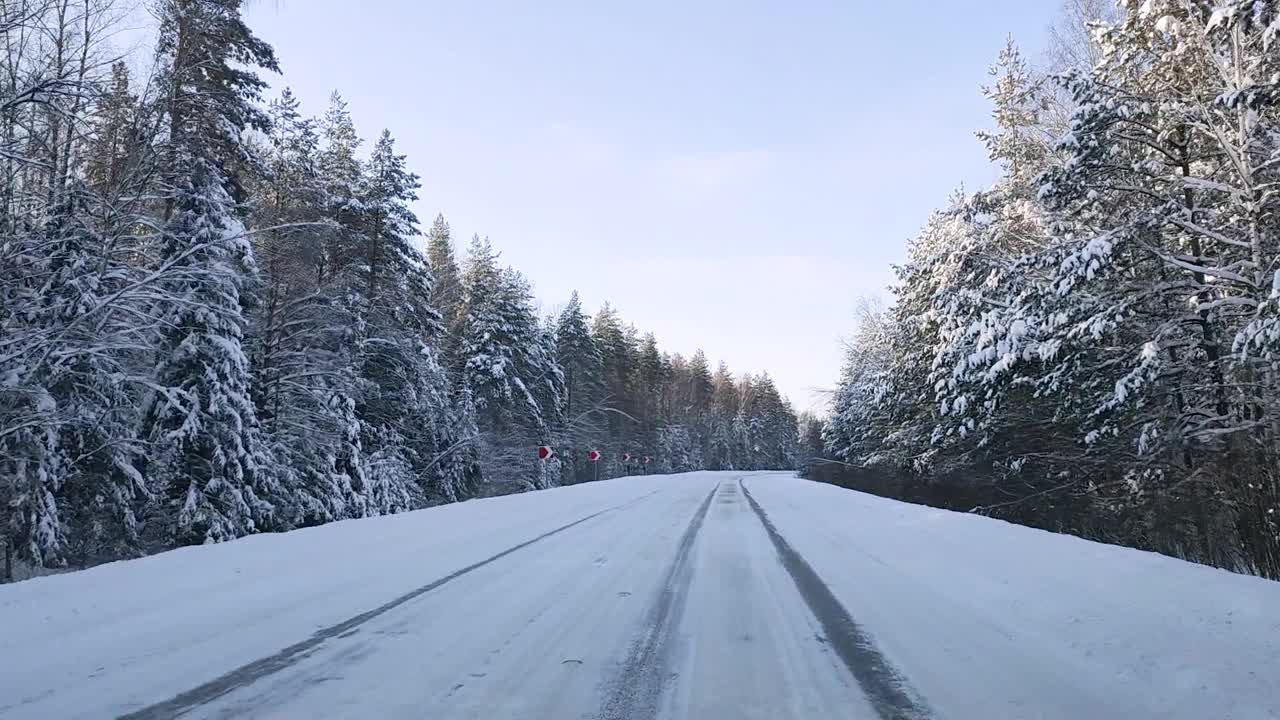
(993, 620)
(658, 597)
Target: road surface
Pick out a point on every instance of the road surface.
(706, 595)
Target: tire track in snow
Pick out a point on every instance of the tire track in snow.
(258, 669)
(637, 690)
(886, 689)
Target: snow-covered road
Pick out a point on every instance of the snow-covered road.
(707, 595)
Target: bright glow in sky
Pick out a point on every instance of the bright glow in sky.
(731, 174)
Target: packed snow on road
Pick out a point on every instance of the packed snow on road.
(704, 595)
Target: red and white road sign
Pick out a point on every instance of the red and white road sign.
(645, 460)
(594, 455)
(626, 457)
(545, 453)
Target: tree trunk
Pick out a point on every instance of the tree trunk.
(1208, 334)
(8, 558)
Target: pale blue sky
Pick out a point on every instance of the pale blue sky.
(730, 175)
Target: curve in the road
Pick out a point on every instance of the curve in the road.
(886, 689)
(258, 669)
(637, 691)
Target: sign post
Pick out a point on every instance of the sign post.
(595, 462)
(545, 453)
(626, 463)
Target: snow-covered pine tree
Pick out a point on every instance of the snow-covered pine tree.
(91, 336)
(510, 371)
(724, 428)
(546, 381)
(937, 385)
(579, 359)
(205, 455)
(341, 177)
(116, 140)
(31, 469)
(617, 355)
(405, 404)
(52, 70)
(812, 448)
(772, 429)
(651, 375)
(444, 266)
(854, 431)
(675, 450)
(1168, 258)
(964, 280)
(677, 375)
(304, 381)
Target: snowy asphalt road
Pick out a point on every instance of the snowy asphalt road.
(670, 605)
(707, 595)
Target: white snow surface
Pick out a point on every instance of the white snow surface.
(993, 620)
(670, 603)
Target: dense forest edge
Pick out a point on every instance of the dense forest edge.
(219, 317)
(1089, 345)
